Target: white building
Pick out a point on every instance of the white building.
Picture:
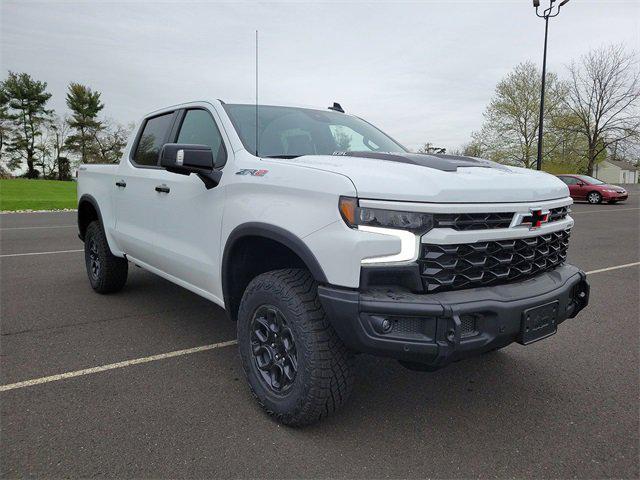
(616, 171)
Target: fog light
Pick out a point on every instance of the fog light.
(381, 324)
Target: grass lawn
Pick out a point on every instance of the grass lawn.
(23, 194)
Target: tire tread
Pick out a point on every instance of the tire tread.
(330, 378)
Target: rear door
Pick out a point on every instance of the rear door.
(188, 216)
(134, 189)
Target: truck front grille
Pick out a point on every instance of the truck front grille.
(487, 221)
(454, 267)
(473, 221)
(559, 213)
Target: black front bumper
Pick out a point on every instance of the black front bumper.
(437, 329)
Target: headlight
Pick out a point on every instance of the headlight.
(609, 190)
(354, 216)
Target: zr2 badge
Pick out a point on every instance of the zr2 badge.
(252, 172)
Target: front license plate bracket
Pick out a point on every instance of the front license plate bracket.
(539, 322)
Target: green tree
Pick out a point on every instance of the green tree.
(27, 101)
(510, 130)
(5, 126)
(85, 105)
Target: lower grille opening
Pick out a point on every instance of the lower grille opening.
(458, 266)
(468, 326)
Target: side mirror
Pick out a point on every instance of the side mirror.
(185, 159)
(580, 184)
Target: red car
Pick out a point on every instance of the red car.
(583, 187)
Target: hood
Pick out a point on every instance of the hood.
(611, 187)
(436, 178)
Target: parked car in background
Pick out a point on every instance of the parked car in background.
(584, 187)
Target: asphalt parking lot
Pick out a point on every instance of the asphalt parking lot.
(566, 407)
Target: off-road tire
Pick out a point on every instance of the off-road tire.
(112, 271)
(594, 198)
(324, 377)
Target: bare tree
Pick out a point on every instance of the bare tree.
(604, 88)
(430, 148)
(59, 132)
(110, 139)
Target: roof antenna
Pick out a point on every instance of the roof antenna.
(257, 135)
(336, 106)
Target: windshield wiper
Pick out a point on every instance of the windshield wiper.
(287, 157)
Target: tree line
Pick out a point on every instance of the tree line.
(38, 143)
(590, 114)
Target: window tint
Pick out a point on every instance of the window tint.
(569, 180)
(290, 132)
(152, 138)
(199, 128)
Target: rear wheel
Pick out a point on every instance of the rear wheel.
(297, 367)
(107, 273)
(594, 197)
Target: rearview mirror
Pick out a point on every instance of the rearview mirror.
(185, 159)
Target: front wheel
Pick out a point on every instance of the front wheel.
(296, 365)
(107, 273)
(594, 197)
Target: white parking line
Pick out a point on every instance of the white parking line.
(36, 228)
(613, 209)
(608, 269)
(112, 366)
(39, 253)
(177, 353)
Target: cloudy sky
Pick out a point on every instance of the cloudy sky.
(422, 71)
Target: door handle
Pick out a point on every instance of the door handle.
(162, 188)
(121, 183)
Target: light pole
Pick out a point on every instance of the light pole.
(548, 13)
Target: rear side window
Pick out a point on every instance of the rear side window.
(154, 135)
(569, 180)
(199, 128)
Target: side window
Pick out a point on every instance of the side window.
(153, 136)
(569, 180)
(199, 128)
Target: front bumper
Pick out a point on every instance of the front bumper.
(437, 329)
(615, 196)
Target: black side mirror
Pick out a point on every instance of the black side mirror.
(185, 159)
(580, 184)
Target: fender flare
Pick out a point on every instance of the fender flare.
(265, 230)
(87, 198)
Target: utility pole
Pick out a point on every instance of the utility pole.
(548, 13)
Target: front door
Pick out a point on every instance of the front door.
(188, 217)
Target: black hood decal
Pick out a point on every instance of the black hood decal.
(446, 163)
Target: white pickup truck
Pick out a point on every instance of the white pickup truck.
(323, 237)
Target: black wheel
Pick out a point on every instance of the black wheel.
(594, 197)
(297, 367)
(107, 273)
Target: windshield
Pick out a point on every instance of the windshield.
(591, 180)
(290, 132)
